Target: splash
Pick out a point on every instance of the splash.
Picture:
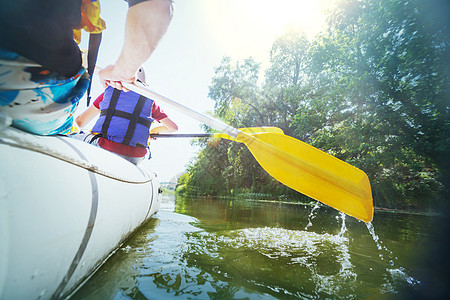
(343, 226)
(323, 260)
(380, 245)
(312, 214)
(393, 274)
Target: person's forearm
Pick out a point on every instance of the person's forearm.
(90, 113)
(161, 129)
(167, 126)
(145, 25)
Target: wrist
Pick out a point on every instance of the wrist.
(124, 71)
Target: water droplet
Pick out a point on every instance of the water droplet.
(312, 215)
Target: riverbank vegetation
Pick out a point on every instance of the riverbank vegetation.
(372, 90)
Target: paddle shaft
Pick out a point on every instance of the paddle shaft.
(210, 121)
(181, 135)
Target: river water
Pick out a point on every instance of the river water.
(246, 249)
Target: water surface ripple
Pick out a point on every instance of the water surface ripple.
(229, 249)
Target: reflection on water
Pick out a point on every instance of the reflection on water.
(229, 249)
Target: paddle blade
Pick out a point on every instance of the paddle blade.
(312, 172)
(250, 130)
(261, 130)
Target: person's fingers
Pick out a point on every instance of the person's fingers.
(124, 88)
(114, 84)
(111, 83)
(108, 77)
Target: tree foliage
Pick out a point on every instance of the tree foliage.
(373, 90)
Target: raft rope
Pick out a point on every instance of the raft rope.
(15, 140)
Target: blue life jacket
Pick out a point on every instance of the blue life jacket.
(125, 117)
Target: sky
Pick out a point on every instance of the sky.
(201, 33)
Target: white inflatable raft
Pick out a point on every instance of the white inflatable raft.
(65, 207)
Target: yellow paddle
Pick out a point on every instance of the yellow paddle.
(250, 130)
(298, 165)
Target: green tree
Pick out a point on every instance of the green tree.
(372, 90)
(379, 66)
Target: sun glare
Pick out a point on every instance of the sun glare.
(275, 16)
(249, 27)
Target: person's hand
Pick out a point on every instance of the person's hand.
(113, 77)
(155, 131)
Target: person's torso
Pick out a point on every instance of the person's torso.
(125, 118)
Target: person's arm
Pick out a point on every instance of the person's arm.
(145, 25)
(90, 113)
(168, 126)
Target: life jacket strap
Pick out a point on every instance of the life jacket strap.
(134, 120)
(110, 111)
(94, 45)
(128, 116)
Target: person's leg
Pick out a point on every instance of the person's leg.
(41, 74)
(38, 100)
(93, 140)
(86, 137)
